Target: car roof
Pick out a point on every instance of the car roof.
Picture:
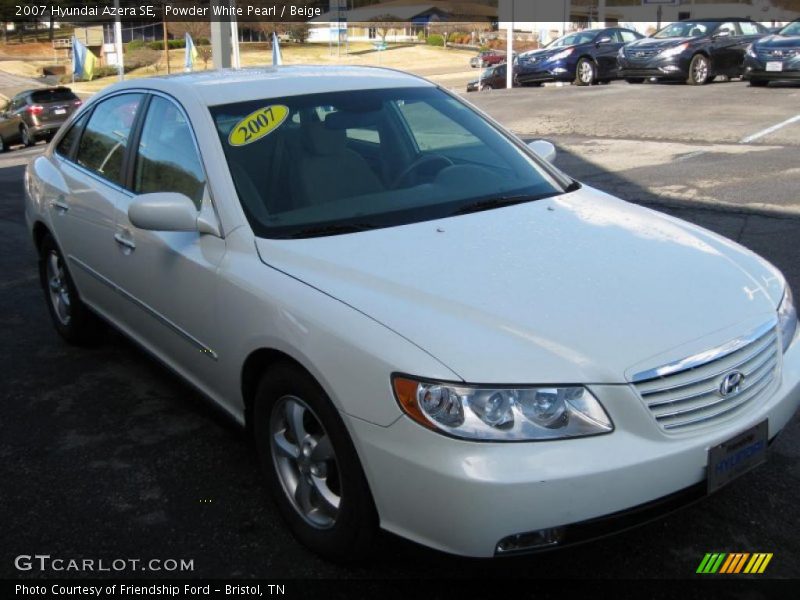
(226, 86)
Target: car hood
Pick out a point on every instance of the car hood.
(577, 288)
(544, 53)
(650, 43)
(779, 41)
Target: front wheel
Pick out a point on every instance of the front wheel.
(758, 83)
(586, 72)
(311, 465)
(699, 70)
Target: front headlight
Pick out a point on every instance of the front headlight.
(787, 318)
(675, 51)
(502, 413)
(751, 51)
(562, 54)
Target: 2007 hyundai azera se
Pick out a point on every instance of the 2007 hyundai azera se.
(424, 324)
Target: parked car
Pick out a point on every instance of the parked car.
(586, 57)
(492, 78)
(694, 51)
(424, 325)
(486, 58)
(774, 58)
(35, 114)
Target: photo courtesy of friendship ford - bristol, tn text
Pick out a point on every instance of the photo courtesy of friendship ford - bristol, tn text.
(387, 282)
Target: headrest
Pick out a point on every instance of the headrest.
(320, 140)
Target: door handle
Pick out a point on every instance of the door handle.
(60, 204)
(124, 241)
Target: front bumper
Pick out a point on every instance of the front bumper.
(547, 71)
(664, 68)
(757, 69)
(464, 497)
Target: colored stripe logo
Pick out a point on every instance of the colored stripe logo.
(734, 563)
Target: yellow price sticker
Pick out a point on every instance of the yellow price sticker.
(258, 124)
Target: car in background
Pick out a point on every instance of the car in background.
(492, 78)
(584, 57)
(487, 58)
(694, 51)
(35, 114)
(775, 57)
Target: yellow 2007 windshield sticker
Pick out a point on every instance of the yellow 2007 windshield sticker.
(258, 124)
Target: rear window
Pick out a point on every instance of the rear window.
(60, 95)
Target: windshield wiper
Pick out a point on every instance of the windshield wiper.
(324, 230)
(497, 203)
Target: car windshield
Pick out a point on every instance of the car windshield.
(573, 39)
(56, 95)
(685, 29)
(791, 29)
(323, 164)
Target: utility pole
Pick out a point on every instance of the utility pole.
(118, 43)
(166, 43)
(221, 41)
(510, 50)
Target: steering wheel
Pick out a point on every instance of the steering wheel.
(425, 159)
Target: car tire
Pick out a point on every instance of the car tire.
(485, 87)
(585, 72)
(73, 320)
(635, 80)
(2, 145)
(699, 70)
(28, 139)
(293, 419)
(759, 83)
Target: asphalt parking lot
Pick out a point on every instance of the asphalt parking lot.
(104, 454)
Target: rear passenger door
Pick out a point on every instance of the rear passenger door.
(168, 278)
(92, 162)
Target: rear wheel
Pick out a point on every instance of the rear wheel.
(699, 70)
(586, 72)
(71, 317)
(311, 465)
(28, 138)
(635, 79)
(758, 83)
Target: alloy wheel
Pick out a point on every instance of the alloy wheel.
(586, 72)
(57, 286)
(700, 70)
(305, 462)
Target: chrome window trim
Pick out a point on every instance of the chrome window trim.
(696, 360)
(99, 178)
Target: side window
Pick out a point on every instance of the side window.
(167, 160)
(749, 28)
(627, 36)
(103, 143)
(729, 27)
(70, 139)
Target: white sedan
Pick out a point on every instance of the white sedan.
(425, 325)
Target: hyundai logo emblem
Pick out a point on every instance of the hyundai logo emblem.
(731, 383)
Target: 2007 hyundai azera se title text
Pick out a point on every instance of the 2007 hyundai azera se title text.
(425, 325)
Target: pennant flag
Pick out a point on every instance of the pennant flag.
(191, 53)
(83, 61)
(276, 51)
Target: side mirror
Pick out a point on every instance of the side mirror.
(723, 33)
(163, 211)
(604, 40)
(543, 149)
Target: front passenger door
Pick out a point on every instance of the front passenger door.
(606, 53)
(168, 278)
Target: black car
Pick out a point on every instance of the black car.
(492, 78)
(35, 114)
(693, 51)
(774, 58)
(585, 57)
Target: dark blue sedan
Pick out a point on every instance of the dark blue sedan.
(774, 58)
(585, 58)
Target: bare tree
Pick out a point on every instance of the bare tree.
(383, 24)
(204, 53)
(196, 29)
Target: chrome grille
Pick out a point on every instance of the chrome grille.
(783, 54)
(641, 55)
(689, 393)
